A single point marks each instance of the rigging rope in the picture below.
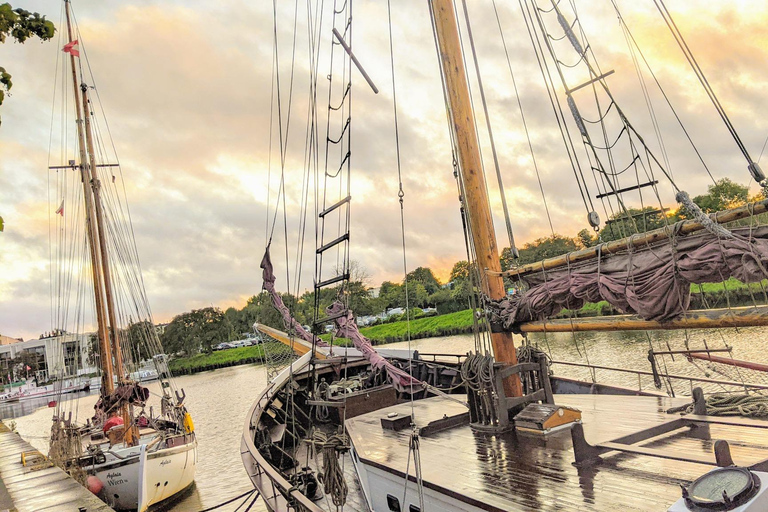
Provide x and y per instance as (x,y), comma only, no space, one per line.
(665,14)
(502,192)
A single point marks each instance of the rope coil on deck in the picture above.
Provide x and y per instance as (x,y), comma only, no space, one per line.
(748,406)
(332,476)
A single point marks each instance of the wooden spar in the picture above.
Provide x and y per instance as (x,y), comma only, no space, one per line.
(91,228)
(732,362)
(699,319)
(298,345)
(130,435)
(636,241)
(108,289)
(472,176)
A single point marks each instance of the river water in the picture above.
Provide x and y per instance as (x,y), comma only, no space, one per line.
(219,400)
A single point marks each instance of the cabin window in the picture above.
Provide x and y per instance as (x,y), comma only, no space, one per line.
(413,508)
(393,503)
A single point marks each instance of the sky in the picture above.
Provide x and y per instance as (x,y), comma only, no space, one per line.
(187,88)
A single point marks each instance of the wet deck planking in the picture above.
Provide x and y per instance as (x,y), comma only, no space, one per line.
(26,489)
(524,472)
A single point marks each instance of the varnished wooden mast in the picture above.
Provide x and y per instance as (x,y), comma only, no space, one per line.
(92,229)
(108,289)
(473,178)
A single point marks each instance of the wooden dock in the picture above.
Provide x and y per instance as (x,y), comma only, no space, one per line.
(38,485)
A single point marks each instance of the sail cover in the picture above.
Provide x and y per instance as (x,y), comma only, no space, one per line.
(268,275)
(346,328)
(652,282)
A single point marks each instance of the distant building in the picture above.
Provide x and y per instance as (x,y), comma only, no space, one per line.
(374,292)
(54,354)
(7,340)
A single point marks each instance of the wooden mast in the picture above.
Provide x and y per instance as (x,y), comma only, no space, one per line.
(95,215)
(91,228)
(472,175)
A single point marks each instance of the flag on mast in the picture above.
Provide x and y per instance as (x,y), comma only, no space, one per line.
(72,48)
(60,211)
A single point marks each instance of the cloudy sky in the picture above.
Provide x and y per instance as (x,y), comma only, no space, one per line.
(187,85)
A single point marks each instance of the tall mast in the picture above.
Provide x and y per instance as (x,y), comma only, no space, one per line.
(472,175)
(92,229)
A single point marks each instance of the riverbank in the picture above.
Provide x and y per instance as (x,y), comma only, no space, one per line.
(215,360)
(715,295)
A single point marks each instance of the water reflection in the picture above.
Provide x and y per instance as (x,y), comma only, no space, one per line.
(629,349)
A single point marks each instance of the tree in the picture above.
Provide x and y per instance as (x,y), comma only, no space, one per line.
(633,221)
(137,336)
(20,25)
(425,277)
(547,247)
(196,331)
(724,194)
(586,238)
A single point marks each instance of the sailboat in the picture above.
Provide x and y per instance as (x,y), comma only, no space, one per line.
(391,430)
(128,454)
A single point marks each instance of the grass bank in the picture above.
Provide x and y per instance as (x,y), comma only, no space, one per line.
(216,360)
(430,327)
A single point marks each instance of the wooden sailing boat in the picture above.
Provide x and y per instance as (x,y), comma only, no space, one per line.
(340,419)
(130,457)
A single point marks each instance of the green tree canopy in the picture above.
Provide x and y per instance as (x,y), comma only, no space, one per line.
(20,25)
(195,331)
(722,195)
(425,277)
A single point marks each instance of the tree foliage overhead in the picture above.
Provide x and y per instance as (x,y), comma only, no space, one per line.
(20,25)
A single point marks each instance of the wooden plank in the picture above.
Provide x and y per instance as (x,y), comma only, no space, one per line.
(698,319)
(663,454)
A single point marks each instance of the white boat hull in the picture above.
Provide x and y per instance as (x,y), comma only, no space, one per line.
(146,477)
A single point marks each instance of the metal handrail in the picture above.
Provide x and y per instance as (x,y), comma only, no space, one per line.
(666,375)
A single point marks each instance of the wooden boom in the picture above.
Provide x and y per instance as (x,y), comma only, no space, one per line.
(698,319)
(640,240)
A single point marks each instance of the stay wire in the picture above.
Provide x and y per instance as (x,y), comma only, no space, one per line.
(502,191)
(664,93)
(522,116)
(667,16)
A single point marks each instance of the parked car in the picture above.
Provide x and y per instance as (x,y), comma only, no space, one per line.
(223,346)
(241,343)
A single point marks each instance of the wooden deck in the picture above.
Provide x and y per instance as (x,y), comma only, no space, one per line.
(38,486)
(527,472)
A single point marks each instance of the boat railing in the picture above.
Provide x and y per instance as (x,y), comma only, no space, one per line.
(276,491)
(689,378)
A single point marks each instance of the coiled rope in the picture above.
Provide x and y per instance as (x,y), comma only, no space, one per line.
(749,406)
(332,476)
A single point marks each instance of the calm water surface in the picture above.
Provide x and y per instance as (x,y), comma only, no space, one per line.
(220,400)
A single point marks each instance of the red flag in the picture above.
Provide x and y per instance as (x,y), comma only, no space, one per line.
(28,368)
(60,211)
(72,48)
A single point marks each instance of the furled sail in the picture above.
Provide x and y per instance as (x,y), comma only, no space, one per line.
(346,328)
(652,281)
(268,276)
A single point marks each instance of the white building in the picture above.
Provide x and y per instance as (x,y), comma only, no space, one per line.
(54,355)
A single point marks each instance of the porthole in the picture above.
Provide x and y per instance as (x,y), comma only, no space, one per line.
(393,503)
